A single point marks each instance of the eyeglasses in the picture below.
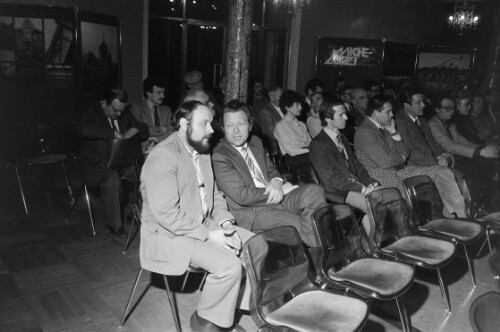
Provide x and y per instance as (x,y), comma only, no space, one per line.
(447,108)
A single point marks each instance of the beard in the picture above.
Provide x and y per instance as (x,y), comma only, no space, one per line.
(200,146)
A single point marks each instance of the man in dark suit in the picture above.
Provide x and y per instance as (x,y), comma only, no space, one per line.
(355,115)
(152,112)
(340,174)
(100,124)
(413,128)
(269,115)
(383,152)
(254,189)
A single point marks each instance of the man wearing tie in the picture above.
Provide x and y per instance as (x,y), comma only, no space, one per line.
(340,174)
(254,189)
(152,112)
(100,124)
(185,219)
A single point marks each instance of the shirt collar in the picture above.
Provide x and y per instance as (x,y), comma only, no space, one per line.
(333,135)
(150,104)
(375,123)
(412,117)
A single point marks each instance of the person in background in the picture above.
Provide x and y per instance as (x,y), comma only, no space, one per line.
(356,114)
(313,122)
(101,123)
(151,111)
(268,117)
(312,86)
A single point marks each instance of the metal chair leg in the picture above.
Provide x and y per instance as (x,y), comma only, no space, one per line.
(173,305)
(21,189)
(444,292)
(471,266)
(487,240)
(130,237)
(202,281)
(70,191)
(130,298)
(403,314)
(90,210)
(185,280)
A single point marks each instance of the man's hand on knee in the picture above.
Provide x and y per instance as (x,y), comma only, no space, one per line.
(227,239)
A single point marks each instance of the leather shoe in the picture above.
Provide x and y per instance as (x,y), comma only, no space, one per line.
(200,324)
(119,232)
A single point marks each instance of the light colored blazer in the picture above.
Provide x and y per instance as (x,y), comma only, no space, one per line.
(380,154)
(455,144)
(142,113)
(172,217)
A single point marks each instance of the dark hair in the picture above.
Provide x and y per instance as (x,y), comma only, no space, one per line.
(326,111)
(184,111)
(115,93)
(313,84)
(462,94)
(376,103)
(442,97)
(234,106)
(149,82)
(405,96)
(288,98)
(369,84)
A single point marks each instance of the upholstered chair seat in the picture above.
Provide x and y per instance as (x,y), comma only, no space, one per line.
(320,311)
(428,250)
(462,230)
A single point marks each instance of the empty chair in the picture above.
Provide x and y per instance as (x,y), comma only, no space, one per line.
(391,237)
(283,296)
(344,263)
(484,313)
(427,216)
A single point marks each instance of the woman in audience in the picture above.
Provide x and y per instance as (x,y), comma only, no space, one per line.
(313,121)
(292,134)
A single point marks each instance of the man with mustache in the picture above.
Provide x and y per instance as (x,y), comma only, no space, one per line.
(152,112)
(185,219)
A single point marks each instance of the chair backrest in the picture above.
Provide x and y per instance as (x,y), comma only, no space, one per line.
(278,268)
(389,216)
(339,236)
(426,204)
(483,313)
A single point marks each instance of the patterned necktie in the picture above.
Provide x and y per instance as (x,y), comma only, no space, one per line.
(156,116)
(254,170)
(381,130)
(113,125)
(341,147)
(201,183)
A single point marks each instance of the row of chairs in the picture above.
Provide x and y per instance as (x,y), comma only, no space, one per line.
(291,293)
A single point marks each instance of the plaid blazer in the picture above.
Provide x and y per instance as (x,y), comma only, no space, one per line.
(380,153)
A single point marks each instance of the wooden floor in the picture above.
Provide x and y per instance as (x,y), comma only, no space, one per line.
(56,276)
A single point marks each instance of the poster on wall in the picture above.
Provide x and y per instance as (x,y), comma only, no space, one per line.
(355,60)
(100,54)
(439,68)
(29,48)
(7,57)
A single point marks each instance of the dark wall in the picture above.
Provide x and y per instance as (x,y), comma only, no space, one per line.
(406,21)
(131,14)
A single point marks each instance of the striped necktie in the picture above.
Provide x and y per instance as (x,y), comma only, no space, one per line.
(254,170)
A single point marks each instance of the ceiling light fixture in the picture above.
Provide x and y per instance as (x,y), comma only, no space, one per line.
(463,18)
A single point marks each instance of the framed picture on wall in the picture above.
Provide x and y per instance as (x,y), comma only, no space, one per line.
(100,51)
(444,69)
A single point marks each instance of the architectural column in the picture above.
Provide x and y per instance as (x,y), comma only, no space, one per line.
(493,71)
(238,50)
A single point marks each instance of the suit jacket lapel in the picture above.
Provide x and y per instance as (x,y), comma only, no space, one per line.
(260,158)
(239,163)
(146,113)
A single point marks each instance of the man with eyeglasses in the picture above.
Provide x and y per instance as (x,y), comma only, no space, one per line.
(100,124)
(470,158)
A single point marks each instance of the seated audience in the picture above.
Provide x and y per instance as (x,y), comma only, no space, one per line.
(312,86)
(383,152)
(257,96)
(372,88)
(152,112)
(356,115)
(461,118)
(268,117)
(185,219)
(313,121)
(254,189)
(100,124)
(340,174)
(291,133)
(472,159)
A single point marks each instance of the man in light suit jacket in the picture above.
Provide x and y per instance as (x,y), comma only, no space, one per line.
(340,174)
(383,152)
(152,112)
(269,115)
(185,218)
(254,189)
